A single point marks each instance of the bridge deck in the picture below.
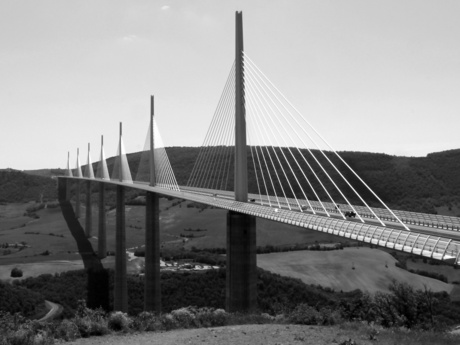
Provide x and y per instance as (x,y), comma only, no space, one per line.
(445,248)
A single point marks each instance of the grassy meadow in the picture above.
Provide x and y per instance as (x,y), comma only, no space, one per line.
(362,268)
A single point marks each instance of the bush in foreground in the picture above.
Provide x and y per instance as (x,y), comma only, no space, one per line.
(14,329)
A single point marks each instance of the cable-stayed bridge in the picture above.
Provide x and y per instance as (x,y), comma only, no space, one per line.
(260,158)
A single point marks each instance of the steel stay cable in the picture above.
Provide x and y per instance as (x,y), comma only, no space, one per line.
(317,178)
(314,157)
(213,131)
(269,156)
(224,118)
(324,170)
(335,152)
(286,144)
(225,133)
(282,168)
(263,177)
(230,151)
(201,153)
(166,173)
(265,161)
(215,136)
(255,171)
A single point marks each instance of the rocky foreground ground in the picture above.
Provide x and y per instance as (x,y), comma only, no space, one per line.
(231,335)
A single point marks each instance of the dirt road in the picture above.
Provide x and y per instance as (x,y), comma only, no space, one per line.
(54,311)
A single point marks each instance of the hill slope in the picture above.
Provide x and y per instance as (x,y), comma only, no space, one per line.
(17,186)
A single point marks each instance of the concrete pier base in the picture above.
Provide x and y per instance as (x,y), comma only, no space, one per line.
(241,291)
(89,211)
(102,224)
(120,302)
(152,289)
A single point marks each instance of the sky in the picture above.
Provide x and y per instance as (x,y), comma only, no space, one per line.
(377,76)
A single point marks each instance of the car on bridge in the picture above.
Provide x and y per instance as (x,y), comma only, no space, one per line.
(350,214)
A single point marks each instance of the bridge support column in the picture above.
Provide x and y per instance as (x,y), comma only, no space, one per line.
(152,291)
(241,292)
(121,285)
(77,203)
(89,211)
(67,189)
(102,224)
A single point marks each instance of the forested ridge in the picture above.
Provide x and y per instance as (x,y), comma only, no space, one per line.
(17,186)
(417,184)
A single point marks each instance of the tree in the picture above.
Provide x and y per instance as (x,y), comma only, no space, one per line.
(16,272)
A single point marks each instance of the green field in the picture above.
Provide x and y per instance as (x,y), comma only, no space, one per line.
(452,274)
(373,269)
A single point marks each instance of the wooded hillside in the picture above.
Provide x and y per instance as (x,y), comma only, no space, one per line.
(17,186)
(418,184)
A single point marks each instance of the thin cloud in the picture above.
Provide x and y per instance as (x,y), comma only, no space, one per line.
(165,7)
(129,38)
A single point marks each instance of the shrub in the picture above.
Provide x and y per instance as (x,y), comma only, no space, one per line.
(83,325)
(16,272)
(168,322)
(67,330)
(146,322)
(43,338)
(22,336)
(90,322)
(248,319)
(185,317)
(330,317)
(304,314)
(119,321)
(210,317)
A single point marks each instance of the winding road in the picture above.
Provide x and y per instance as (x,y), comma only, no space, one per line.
(54,311)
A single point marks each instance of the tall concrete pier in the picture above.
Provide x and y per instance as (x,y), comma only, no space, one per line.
(241,292)
(121,285)
(152,289)
(89,211)
(77,200)
(102,224)
(102,173)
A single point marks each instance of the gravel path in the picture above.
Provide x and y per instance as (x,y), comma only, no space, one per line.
(231,335)
(54,311)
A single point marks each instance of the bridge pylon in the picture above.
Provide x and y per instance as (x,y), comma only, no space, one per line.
(77,189)
(89,173)
(102,173)
(241,291)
